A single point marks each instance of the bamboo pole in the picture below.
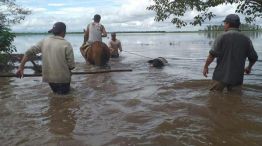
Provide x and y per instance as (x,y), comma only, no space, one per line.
(73,73)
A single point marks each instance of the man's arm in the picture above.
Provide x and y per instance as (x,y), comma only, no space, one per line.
(216,51)
(252,58)
(209,60)
(20,71)
(249,67)
(120,46)
(70,57)
(28,54)
(86,35)
(110,45)
(103,30)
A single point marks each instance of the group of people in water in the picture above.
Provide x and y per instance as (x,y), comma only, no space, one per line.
(58,56)
(94,32)
(230,49)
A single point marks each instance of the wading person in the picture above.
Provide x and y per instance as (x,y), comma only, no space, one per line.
(57,59)
(231,50)
(94,32)
(114,45)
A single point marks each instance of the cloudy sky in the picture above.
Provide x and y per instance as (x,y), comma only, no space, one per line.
(117,15)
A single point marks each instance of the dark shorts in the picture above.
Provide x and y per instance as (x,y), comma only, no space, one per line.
(60,88)
(219,86)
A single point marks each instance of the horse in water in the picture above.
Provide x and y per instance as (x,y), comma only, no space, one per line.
(96,53)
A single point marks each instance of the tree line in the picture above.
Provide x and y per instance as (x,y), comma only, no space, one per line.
(243,27)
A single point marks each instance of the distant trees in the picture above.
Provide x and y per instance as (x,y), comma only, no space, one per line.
(250,27)
(10,14)
(174,9)
(244,27)
(214,28)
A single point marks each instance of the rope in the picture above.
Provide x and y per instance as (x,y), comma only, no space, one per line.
(138,54)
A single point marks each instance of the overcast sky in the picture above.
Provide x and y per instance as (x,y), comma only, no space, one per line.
(117,15)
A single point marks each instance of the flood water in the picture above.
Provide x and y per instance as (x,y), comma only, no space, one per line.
(146,107)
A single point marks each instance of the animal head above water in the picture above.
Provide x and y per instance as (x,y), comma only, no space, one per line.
(158,62)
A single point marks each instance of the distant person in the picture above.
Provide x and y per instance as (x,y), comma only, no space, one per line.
(231,50)
(114,45)
(57,59)
(94,32)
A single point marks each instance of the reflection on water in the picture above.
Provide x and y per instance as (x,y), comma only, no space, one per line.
(232,123)
(61,118)
(148,106)
(61,115)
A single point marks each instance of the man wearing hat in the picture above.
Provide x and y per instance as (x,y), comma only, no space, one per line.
(231,50)
(94,32)
(57,59)
(114,45)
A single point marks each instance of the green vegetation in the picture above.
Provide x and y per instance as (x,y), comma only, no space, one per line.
(10,13)
(174,9)
(243,27)
(6,47)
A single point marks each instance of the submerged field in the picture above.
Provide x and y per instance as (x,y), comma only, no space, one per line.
(145,107)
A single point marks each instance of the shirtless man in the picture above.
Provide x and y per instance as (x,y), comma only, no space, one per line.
(114,45)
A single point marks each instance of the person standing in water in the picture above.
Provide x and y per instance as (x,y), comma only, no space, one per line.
(231,50)
(114,45)
(94,32)
(57,59)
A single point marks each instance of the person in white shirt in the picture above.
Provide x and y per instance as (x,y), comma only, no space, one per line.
(57,59)
(114,45)
(94,32)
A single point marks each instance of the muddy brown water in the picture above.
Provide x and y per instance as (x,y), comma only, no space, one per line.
(146,107)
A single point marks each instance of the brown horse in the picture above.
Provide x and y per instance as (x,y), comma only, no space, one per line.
(97,53)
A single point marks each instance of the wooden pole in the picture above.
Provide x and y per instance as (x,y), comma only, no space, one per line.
(73,73)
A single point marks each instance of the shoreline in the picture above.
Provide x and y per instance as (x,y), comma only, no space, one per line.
(130,32)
